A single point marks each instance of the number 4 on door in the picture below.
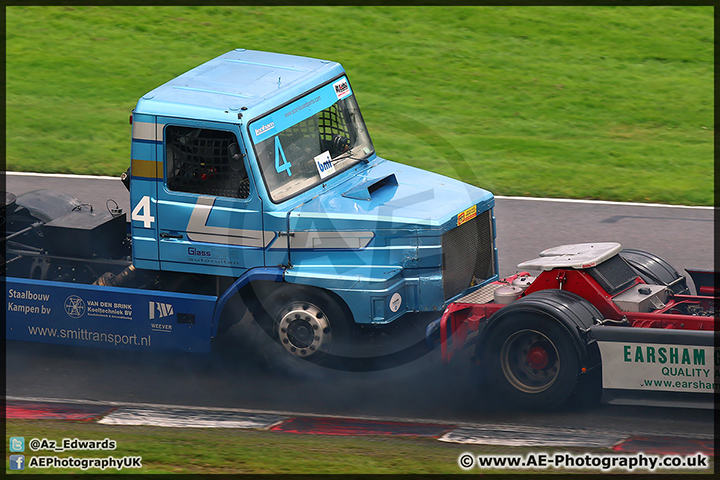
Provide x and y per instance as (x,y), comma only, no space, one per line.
(141,212)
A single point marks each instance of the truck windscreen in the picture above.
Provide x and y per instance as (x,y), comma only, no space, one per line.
(310,140)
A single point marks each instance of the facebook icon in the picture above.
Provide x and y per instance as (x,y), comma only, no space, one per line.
(17,462)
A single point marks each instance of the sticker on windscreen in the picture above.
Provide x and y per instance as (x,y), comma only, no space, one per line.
(342,89)
(324,164)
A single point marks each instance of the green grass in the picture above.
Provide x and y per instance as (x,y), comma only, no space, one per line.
(610,103)
(212,451)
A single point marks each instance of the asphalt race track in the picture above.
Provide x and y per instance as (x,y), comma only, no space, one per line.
(420,389)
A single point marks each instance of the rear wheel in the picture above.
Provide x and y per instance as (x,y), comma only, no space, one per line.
(535,349)
(532,361)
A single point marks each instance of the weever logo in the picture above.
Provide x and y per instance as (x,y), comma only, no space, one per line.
(163,310)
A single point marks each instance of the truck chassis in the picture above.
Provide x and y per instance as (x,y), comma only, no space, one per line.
(596,316)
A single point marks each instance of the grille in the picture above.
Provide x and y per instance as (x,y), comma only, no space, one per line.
(467,255)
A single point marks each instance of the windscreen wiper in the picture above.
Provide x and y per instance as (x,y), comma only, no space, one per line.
(349,154)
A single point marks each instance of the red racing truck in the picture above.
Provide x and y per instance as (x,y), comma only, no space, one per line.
(595,316)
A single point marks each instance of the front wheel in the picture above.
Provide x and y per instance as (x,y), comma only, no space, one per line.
(309,324)
(304,329)
(532,361)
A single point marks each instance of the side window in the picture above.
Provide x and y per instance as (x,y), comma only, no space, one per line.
(205,161)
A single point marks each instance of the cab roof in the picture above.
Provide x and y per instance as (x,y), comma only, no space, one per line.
(240,81)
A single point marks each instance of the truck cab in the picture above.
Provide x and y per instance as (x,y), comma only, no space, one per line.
(257,159)
(256,171)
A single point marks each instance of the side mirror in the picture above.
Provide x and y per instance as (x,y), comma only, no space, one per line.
(125,178)
(235,157)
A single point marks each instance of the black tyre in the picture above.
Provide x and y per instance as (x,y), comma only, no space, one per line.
(535,349)
(308,324)
(531,361)
(656,271)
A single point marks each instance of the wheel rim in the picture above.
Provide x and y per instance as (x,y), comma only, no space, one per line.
(530,361)
(304,330)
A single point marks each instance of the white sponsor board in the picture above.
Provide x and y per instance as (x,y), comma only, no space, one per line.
(660,367)
(324,164)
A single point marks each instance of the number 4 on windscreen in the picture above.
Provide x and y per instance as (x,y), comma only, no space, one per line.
(279,153)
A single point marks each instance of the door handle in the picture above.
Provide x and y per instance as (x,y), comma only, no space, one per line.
(170,235)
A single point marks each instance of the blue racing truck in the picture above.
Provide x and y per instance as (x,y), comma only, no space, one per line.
(253,184)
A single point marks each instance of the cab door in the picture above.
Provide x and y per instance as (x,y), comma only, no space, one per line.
(209,213)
